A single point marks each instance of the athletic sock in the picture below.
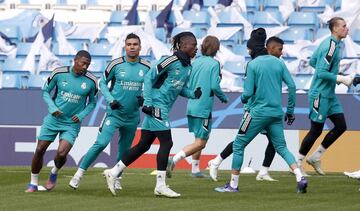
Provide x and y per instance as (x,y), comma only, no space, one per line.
(195,168)
(160,178)
(298,174)
(54,170)
(79,173)
(318,153)
(217,160)
(34,179)
(264,170)
(119,167)
(180,155)
(234,182)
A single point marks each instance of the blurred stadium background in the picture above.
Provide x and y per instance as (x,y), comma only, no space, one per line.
(39,35)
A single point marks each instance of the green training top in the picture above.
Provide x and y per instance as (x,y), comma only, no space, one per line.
(263,83)
(71,93)
(126,84)
(325,60)
(164,82)
(205,74)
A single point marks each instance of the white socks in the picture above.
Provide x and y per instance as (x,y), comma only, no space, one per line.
(54,170)
(195,168)
(119,167)
(298,174)
(318,153)
(160,178)
(34,179)
(300,160)
(234,182)
(180,155)
(79,173)
(217,160)
(264,170)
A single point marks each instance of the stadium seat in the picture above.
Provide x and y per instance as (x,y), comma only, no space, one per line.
(10,81)
(226,20)
(36,81)
(252,5)
(66,5)
(15,66)
(210,3)
(97,65)
(23,49)
(117,17)
(314,8)
(12,32)
(302,80)
(356,36)
(304,19)
(103,5)
(267,19)
(200,18)
(272,5)
(293,34)
(321,32)
(99,50)
(236,67)
(160,34)
(77,44)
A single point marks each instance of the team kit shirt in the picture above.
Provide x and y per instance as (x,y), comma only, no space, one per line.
(74,95)
(325,60)
(262,87)
(205,74)
(162,84)
(126,83)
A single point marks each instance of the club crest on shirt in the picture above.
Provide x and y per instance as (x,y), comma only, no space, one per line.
(64,83)
(141,73)
(177,71)
(83,85)
(108,122)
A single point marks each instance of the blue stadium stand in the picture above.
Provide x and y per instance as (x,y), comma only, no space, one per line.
(23,49)
(272,5)
(252,5)
(100,51)
(356,36)
(304,19)
(321,32)
(117,17)
(12,32)
(210,3)
(200,18)
(236,67)
(267,19)
(14,66)
(36,81)
(314,8)
(291,35)
(301,80)
(10,81)
(97,65)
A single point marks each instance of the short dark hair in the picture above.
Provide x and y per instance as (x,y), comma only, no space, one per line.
(82,53)
(210,46)
(274,39)
(132,36)
(333,22)
(177,39)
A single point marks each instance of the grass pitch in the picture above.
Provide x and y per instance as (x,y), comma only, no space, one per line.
(331,192)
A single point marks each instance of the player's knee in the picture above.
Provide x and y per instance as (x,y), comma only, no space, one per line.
(341,127)
(40,151)
(143,147)
(315,133)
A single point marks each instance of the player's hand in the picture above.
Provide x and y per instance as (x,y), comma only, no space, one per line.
(115,105)
(56,113)
(75,119)
(198,93)
(140,100)
(226,100)
(148,110)
(289,118)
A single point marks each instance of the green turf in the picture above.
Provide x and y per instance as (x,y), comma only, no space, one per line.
(331,192)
